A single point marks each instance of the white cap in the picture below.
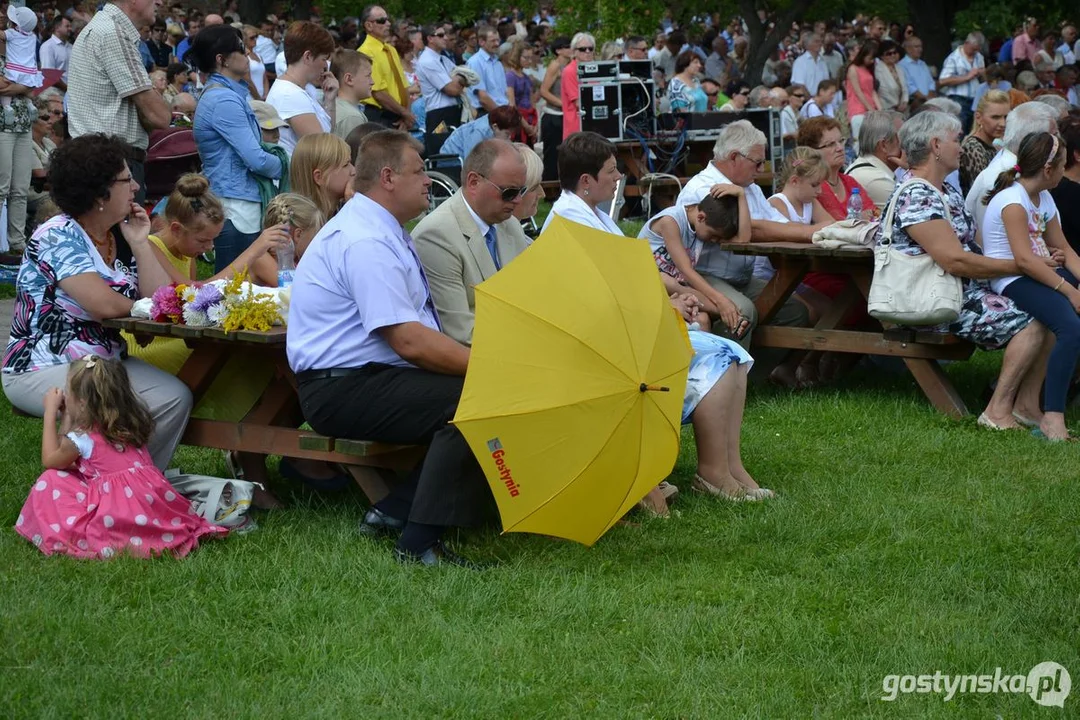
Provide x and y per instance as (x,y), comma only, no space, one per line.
(22,17)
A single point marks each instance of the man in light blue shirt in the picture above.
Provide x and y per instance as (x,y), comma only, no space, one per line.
(370,359)
(491,92)
(920,81)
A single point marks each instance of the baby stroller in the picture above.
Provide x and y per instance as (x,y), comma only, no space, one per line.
(171,153)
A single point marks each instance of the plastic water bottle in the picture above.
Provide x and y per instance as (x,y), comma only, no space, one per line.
(854,205)
(286,265)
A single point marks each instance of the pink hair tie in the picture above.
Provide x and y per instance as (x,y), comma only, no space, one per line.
(797,162)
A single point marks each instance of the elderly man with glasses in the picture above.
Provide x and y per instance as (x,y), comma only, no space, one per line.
(738,157)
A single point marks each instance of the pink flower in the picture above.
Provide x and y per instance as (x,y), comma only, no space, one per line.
(166,306)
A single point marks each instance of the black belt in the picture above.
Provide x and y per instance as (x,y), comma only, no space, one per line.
(138,154)
(331,373)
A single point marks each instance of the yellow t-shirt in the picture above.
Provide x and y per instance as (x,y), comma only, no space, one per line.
(237,387)
(386,72)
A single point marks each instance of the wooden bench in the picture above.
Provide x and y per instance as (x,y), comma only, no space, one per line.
(272,426)
(920,350)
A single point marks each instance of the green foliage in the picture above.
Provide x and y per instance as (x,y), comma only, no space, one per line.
(998,18)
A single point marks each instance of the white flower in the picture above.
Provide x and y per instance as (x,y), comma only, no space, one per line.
(195,318)
(188,293)
(216,313)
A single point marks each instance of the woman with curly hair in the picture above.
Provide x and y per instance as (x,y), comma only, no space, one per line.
(88,264)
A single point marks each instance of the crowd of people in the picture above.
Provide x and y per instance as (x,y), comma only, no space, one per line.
(320,135)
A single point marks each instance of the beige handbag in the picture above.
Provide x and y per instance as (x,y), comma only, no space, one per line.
(911,289)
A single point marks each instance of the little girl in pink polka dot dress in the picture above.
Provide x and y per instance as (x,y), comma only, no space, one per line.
(101,494)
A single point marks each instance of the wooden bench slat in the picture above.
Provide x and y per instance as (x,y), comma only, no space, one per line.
(311,441)
(185,331)
(151,327)
(274,336)
(272,440)
(857,342)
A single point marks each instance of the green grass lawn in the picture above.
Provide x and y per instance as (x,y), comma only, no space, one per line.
(901,543)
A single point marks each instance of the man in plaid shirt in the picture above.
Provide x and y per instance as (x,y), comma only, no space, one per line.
(109,90)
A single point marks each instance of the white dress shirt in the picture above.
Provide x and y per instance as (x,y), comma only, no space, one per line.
(573,208)
(809,71)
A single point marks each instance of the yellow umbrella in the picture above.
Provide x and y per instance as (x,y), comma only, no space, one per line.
(573,398)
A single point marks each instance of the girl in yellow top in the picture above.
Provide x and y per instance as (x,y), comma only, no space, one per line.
(194,217)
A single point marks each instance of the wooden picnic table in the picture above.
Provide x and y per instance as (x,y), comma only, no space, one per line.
(271,427)
(920,350)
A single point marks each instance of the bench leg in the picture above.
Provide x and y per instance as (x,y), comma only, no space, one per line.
(937,387)
(371,480)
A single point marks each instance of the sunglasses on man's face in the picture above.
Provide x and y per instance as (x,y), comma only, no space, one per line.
(380,21)
(507,194)
(586,49)
(439,34)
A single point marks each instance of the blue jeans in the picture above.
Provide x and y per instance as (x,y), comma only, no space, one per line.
(1054,311)
(228,245)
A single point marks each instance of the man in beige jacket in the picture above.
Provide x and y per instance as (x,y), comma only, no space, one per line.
(472,235)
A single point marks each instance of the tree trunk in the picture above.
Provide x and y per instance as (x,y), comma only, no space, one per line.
(254,12)
(934,19)
(762,44)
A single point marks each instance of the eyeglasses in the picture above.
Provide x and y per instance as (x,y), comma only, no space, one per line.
(508,194)
(379,21)
(744,93)
(585,49)
(758,164)
(124,180)
(835,143)
(892,52)
(439,34)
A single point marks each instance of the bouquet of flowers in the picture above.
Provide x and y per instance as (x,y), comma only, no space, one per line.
(231,305)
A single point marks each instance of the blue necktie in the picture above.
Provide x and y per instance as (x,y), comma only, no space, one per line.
(489,238)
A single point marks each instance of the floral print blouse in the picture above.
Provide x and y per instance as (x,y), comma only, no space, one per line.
(49,327)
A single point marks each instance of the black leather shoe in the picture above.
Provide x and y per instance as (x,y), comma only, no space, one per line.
(376,523)
(436,555)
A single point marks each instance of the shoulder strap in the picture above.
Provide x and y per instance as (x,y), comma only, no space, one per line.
(856,166)
(887,228)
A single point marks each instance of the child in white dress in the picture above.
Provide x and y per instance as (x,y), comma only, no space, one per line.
(21,50)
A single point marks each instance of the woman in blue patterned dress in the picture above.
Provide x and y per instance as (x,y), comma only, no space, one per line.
(88,264)
(930,218)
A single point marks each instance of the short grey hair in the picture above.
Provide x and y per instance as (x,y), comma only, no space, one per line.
(945,105)
(757,94)
(737,137)
(975,38)
(1060,104)
(1026,119)
(580,37)
(917,134)
(877,126)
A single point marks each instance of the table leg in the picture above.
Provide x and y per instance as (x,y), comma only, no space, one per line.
(932,379)
(788,276)
(937,387)
(201,367)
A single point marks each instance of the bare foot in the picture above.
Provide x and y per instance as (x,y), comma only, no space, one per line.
(723,485)
(1054,429)
(1032,416)
(743,478)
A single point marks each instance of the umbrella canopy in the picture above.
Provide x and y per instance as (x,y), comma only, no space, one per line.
(574,392)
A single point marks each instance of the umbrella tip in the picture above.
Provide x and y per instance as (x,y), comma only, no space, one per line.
(655,388)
